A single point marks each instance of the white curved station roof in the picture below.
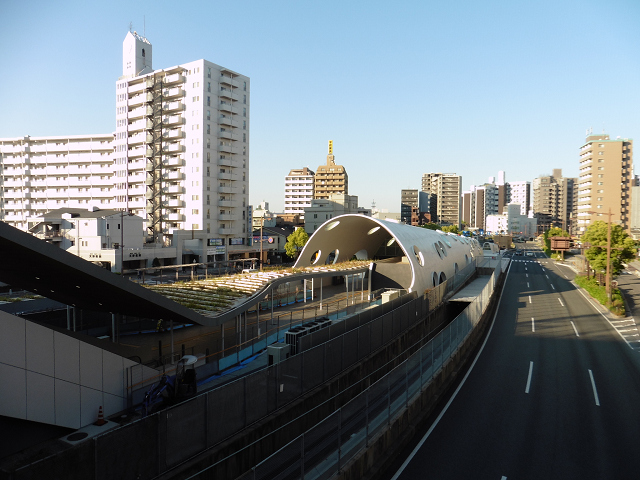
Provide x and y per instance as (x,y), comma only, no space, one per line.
(432,255)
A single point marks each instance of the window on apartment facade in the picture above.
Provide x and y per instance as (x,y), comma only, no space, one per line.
(209,73)
(208,114)
(245,86)
(208,129)
(244,99)
(208,101)
(209,87)
(244,124)
(244,112)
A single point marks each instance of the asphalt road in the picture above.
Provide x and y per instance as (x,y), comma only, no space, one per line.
(554,393)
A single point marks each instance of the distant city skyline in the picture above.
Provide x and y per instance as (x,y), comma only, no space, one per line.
(420,87)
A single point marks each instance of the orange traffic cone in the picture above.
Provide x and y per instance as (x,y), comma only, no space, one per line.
(101,421)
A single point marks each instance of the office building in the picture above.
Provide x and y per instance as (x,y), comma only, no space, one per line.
(553,201)
(179,157)
(445,189)
(330,179)
(298,191)
(606,179)
(323,209)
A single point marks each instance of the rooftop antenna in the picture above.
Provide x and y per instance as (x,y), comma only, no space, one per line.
(130,27)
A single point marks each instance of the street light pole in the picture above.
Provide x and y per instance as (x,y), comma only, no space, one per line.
(261,226)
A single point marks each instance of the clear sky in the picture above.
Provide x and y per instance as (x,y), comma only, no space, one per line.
(402,88)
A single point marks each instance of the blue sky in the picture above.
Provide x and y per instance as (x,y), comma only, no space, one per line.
(404,88)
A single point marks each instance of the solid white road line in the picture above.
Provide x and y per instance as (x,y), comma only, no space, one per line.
(533,325)
(560,300)
(526,390)
(595,392)
(529,298)
(574,328)
(446,407)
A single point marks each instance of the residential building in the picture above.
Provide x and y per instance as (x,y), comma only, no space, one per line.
(330,178)
(298,191)
(445,189)
(182,145)
(635,212)
(323,209)
(179,157)
(511,222)
(47,173)
(553,201)
(262,217)
(606,179)
(480,202)
(520,193)
(111,238)
(408,201)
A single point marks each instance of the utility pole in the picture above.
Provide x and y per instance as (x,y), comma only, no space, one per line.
(608,273)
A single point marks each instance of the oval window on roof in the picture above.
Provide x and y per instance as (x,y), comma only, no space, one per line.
(437,249)
(332,257)
(332,225)
(418,254)
(315,257)
(391,242)
(444,251)
(373,230)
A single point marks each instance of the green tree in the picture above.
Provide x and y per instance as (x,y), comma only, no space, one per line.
(451,229)
(431,226)
(622,247)
(295,242)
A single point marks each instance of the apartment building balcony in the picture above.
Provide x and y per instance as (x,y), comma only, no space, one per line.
(172,147)
(174,217)
(173,79)
(173,162)
(226,107)
(227,162)
(227,135)
(173,189)
(226,189)
(226,203)
(138,139)
(226,217)
(227,149)
(173,203)
(171,107)
(139,125)
(172,120)
(229,121)
(139,112)
(227,176)
(174,92)
(225,231)
(174,176)
(140,152)
(141,99)
(173,134)
(227,80)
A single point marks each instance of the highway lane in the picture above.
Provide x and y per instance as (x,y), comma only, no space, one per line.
(553,394)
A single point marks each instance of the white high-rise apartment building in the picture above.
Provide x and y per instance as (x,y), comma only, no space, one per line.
(298,191)
(179,157)
(182,145)
(520,192)
(40,174)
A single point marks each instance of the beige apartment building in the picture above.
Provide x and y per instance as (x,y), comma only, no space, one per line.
(330,178)
(445,189)
(554,201)
(606,179)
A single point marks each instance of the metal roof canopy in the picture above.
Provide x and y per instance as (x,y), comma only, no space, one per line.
(42,268)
